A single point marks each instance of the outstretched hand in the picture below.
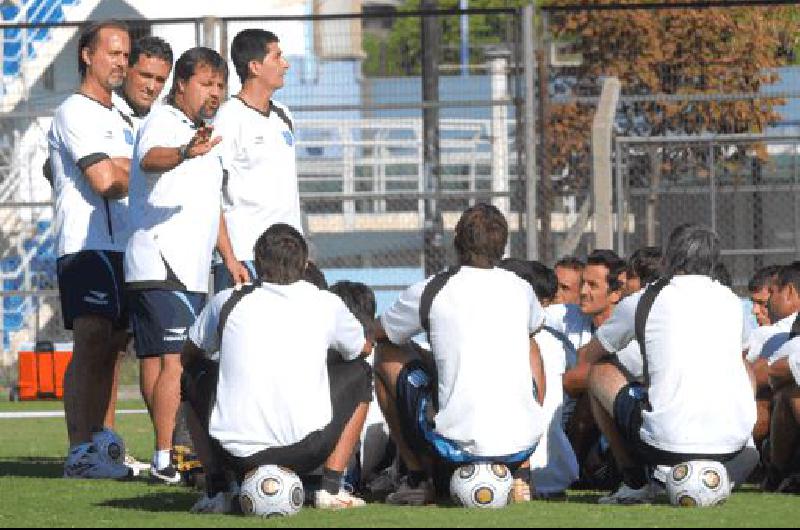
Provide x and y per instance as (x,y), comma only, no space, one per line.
(201,143)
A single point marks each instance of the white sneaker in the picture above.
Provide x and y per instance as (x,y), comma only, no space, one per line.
(169,475)
(626,495)
(136,467)
(221,503)
(341,501)
(85,463)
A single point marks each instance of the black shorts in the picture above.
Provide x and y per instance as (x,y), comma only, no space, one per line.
(350,385)
(161,319)
(416,409)
(629,404)
(92,282)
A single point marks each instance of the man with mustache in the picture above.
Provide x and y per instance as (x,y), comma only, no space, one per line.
(89,163)
(175,210)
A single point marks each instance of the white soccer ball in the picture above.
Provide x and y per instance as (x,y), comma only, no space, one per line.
(482,485)
(271,491)
(110,446)
(698,483)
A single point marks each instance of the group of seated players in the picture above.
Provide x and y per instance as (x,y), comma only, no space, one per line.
(596,374)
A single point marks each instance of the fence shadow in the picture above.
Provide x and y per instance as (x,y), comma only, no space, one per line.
(178,502)
(32,467)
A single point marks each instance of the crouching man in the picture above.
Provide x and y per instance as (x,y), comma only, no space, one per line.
(472,398)
(258,381)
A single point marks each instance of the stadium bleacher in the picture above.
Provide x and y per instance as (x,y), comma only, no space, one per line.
(34,11)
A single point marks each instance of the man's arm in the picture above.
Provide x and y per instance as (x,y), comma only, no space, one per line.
(163,159)
(108,178)
(238,272)
(576,379)
(537,369)
(780,374)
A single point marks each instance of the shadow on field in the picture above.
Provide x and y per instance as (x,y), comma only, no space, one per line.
(155,502)
(32,467)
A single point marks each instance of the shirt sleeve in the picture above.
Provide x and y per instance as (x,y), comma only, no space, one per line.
(537,319)
(348,336)
(83,138)
(620,329)
(204,333)
(159,131)
(794,360)
(228,129)
(402,321)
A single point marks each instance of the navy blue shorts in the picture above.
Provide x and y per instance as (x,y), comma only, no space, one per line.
(161,319)
(223,279)
(415,406)
(629,404)
(92,282)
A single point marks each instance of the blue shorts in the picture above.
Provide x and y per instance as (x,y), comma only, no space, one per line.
(415,388)
(92,282)
(223,279)
(161,319)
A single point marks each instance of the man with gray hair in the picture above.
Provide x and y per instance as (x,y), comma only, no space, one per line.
(679,413)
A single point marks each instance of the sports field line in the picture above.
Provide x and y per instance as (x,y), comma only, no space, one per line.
(52,414)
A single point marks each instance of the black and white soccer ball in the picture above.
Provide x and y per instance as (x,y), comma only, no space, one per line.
(271,491)
(698,483)
(110,446)
(483,485)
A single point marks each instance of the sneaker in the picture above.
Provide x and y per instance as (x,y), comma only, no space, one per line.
(136,467)
(790,485)
(626,495)
(85,463)
(407,496)
(341,501)
(382,485)
(169,475)
(222,502)
(520,491)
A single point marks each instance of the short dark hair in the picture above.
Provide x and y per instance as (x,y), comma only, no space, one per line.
(763,277)
(481,236)
(571,262)
(89,36)
(722,274)
(150,46)
(691,249)
(789,274)
(542,279)
(190,61)
(315,276)
(281,254)
(250,45)
(360,300)
(611,261)
(646,264)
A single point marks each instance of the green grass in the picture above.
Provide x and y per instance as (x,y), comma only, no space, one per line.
(32,494)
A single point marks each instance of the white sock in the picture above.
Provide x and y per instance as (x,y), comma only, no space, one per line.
(162,459)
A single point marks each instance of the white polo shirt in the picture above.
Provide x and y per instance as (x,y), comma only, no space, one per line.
(480,327)
(766,341)
(273,387)
(569,320)
(175,215)
(130,116)
(84,132)
(258,152)
(702,401)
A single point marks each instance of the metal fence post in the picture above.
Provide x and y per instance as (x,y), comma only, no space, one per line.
(713,185)
(498,68)
(602,130)
(529,131)
(622,214)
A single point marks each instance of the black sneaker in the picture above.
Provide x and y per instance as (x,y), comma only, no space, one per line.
(407,496)
(790,485)
(169,475)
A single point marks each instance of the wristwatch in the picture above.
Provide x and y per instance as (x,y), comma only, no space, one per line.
(184,152)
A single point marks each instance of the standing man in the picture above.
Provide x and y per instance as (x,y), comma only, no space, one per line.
(175,198)
(149,66)
(258,152)
(89,162)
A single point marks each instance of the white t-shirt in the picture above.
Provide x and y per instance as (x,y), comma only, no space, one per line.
(766,341)
(175,215)
(133,120)
(794,359)
(84,132)
(273,387)
(569,320)
(480,327)
(258,152)
(554,465)
(701,397)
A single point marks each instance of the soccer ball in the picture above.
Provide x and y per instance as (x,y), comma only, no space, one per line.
(481,485)
(271,491)
(698,483)
(109,446)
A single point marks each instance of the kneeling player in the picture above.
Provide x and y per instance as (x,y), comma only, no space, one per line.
(472,398)
(271,397)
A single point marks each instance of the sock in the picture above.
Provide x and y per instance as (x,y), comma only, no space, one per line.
(162,459)
(331,481)
(415,478)
(523,473)
(635,477)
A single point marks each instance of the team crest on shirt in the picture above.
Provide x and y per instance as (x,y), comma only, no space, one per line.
(258,140)
(289,137)
(109,135)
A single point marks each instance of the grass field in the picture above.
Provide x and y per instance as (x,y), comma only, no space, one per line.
(32,494)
